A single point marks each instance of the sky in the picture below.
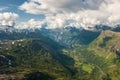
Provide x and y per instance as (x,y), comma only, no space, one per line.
(51,14)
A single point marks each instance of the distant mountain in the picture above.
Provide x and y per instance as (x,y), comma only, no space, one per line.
(71,36)
(116,29)
(68,35)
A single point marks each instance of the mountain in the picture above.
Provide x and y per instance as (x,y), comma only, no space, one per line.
(107,46)
(60,54)
(71,36)
(21,58)
(108,41)
(100,59)
(116,29)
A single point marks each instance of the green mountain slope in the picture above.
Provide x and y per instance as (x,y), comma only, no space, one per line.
(100,60)
(107,43)
(21,57)
(107,46)
(93,56)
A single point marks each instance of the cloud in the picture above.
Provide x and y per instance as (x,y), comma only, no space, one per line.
(78,13)
(30,24)
(8,18)
(61,6)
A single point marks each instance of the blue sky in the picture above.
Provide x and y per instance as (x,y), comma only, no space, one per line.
(12,6)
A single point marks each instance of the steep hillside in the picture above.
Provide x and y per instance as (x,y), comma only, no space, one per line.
(100,60)
(107,46)
(21,57)
(108,42)
(71,36)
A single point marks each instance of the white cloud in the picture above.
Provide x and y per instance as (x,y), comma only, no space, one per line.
(8,18)
(85,13)
(31,24)
(58,6)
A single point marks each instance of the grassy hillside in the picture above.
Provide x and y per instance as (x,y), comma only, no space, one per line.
(96,58)
(107,43)
(107,46)
(100,60)
(21,57)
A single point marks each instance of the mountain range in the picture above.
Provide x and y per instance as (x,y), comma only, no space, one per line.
(60,54)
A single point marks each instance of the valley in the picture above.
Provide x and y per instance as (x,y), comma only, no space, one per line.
(98,59)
